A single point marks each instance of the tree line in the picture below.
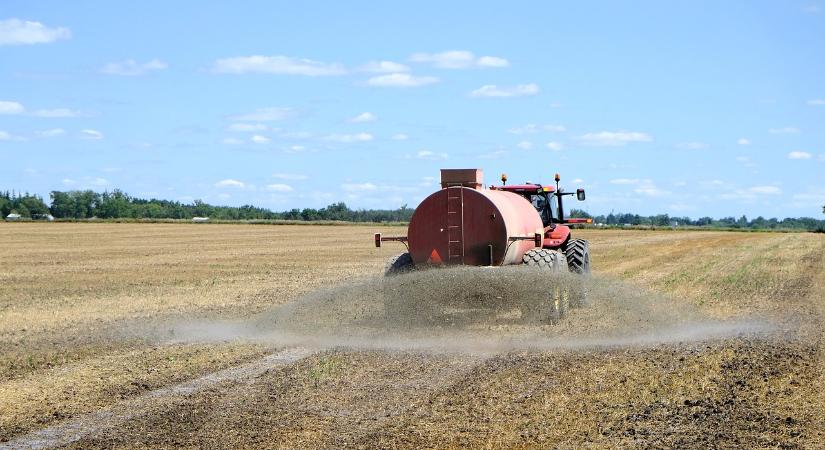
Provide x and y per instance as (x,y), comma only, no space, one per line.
(665,220)
(116,204)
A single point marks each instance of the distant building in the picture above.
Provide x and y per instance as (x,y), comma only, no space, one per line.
(13,217)
(46,217)
(200,219)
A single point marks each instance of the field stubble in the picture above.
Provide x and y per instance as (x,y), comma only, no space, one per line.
(728,350)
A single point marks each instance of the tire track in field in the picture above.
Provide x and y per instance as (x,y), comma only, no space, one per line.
(73,430)
(294,407)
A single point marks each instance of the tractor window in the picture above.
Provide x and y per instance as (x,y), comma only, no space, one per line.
(545,209)
(538,202)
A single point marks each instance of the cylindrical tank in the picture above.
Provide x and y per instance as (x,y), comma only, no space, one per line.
(462,225)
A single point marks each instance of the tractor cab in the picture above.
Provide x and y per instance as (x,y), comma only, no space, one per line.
(546,199)
(541,197)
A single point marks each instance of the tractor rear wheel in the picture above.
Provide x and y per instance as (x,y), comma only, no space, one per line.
(577,252)
(550,259)
(399,264)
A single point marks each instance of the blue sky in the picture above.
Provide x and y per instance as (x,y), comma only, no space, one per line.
(688,108)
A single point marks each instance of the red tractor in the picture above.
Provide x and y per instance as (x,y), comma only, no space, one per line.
(465,224)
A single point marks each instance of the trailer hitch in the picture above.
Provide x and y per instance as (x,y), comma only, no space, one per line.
(379,239)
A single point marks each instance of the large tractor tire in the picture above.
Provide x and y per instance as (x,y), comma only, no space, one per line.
(543,258)
(557,304)
(399,264)
(577,252)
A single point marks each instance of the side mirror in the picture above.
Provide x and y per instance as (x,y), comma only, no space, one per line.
(580,194)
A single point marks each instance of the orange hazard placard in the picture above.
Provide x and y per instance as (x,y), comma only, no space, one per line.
(434,258)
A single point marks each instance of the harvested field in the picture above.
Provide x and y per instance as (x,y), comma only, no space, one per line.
(693,339)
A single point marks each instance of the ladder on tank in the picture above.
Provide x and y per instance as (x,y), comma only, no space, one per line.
(455,224)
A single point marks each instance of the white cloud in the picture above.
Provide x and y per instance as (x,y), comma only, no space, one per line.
(769,190)
(458,59)
(614,138)
(68,181)
(748,194)
(279,64)
(14,108)
(811,9)
(401,80)
(91,134)
(258,139)
(681,207)
(625,181)
(492,90)
(400,137)
(132,68)
(647,187)
(811,199)
(363,117)
(692,145)
(97,181)
(577,181)
(358,187)
(229,182)
(454,59)
(264,115)
(20,32)
(8,107)
(555,146)
(816,102)
(525,145)
(430,155)
(51,132)
(384,67)
(799,155)
(495,154)
(289,176)
(492,61)
(347,138)
(57,113)
(247,127)
(6,136)
(743,141)
(533,128)
(232,141)
(641,186)
(279,187)
(784,130)
(746,161)
(296,135)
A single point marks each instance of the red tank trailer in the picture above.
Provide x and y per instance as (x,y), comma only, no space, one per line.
(465,223)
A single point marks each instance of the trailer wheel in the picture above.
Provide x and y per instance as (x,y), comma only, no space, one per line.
(399,264)
(549,259)
(577,252)
(555,306)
